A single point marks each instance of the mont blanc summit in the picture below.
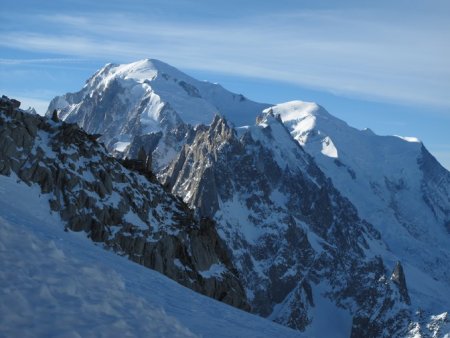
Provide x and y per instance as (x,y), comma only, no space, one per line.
(152,104)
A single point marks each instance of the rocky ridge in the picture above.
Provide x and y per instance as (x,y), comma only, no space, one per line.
(128,212)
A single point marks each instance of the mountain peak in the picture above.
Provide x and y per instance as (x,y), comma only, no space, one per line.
(298,110)
(141,70)
(303,118)
(123,101)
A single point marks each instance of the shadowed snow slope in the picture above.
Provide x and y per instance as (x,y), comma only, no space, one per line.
(56,283)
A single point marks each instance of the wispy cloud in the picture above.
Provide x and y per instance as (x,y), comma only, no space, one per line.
(358,54)
(39,61)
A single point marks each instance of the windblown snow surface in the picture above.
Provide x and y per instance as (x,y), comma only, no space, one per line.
(58,284)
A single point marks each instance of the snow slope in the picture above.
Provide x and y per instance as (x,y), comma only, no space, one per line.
(56,283)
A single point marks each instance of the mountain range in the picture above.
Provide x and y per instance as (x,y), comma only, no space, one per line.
(296,216)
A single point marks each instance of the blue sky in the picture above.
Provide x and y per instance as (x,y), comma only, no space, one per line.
(383,65)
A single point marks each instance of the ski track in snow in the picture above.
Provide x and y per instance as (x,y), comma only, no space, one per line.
(59,284)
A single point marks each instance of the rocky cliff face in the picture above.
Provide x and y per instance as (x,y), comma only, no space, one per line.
(127,211)
(302,251)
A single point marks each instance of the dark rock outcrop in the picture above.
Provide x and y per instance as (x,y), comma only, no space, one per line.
(398,277)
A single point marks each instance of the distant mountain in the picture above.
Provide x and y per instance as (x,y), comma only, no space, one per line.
(129,212)
(149,103)
(327,226)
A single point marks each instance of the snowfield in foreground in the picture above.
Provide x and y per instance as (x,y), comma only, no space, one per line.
(59,284)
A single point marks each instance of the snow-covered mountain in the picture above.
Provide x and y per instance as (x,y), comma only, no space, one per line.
(149,103)
(129,213)
(57,284)
(314,234)
(307,260)
(394,182)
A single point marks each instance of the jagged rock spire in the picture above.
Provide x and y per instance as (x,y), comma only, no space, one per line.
(398,277)
(55,117)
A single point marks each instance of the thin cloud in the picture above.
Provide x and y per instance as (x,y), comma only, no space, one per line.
(353,54)
(14,62)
